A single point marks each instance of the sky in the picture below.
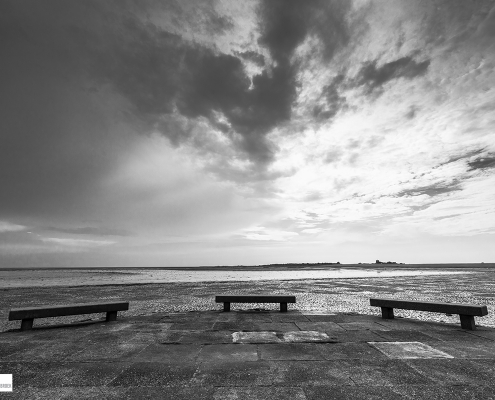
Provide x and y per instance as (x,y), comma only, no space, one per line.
(171,133)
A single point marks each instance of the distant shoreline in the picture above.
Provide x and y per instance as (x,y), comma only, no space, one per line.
(281,267)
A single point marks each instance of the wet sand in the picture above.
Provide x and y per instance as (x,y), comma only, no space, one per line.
(321,295)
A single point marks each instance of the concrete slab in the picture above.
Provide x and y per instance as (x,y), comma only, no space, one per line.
(226,353)
(320,317)
(101,336)
(340,317)
(89,393)
(30,350)
(466,349)
(155,374)
(349,351)
(119,351)
(33,394)
(452,371)
(386,372)
(411,324)
(444,392)
(255,393)
(194,325)
(307,373)
(11,337)
(406,336)
(152,337)
(291,351)
(52,375)
(490,335)
(305,337)
(256,337)
(406,350)
(362,326)
(256,317)
(250,373)
(60,334)
(205,337)
(172,393)
(454,335)
(169,353)
(236,326)
(351,393)
(163,337)
(277,327)
(291,316)
(149,327)
(355,336)
(321,326)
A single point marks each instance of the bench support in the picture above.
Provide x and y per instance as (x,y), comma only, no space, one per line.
(226,306)
(27,324)
(111,316)
(467,322)
(387,313)
(283,307)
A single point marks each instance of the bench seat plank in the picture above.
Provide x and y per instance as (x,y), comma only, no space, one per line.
(27,315)
(466,311)
(255,299)
(227,299)
(63,310)
(447,308)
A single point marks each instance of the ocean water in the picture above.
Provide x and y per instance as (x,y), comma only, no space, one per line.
(92,277)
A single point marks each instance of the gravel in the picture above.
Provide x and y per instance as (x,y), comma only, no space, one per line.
(324,295)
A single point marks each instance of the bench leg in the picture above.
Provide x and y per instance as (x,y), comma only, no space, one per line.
(226,306)
(283,307)
(387,313)
(467,322)
(111,316)
(27,324)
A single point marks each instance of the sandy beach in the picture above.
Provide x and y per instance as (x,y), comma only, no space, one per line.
(475,286)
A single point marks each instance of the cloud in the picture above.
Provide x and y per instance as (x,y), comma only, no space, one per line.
(252,56)
(78,242)
(263,234)
(431,190)
(96,231)
(6,226)
(285,24)
(482,163)
(373,77)
(331,100)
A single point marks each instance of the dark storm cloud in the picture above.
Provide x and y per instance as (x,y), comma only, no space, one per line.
(91,230)
(160,72)
(331,101)
(468,156)
(482,163)
(286,23)
(72,71)
(431,190)
(374,77)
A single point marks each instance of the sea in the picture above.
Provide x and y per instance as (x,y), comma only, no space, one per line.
(17,278)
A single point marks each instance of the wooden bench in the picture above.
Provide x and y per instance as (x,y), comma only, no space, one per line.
(465,311)
(27,315)
(227,299)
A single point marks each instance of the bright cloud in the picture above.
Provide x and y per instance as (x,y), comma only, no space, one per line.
(9,227)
